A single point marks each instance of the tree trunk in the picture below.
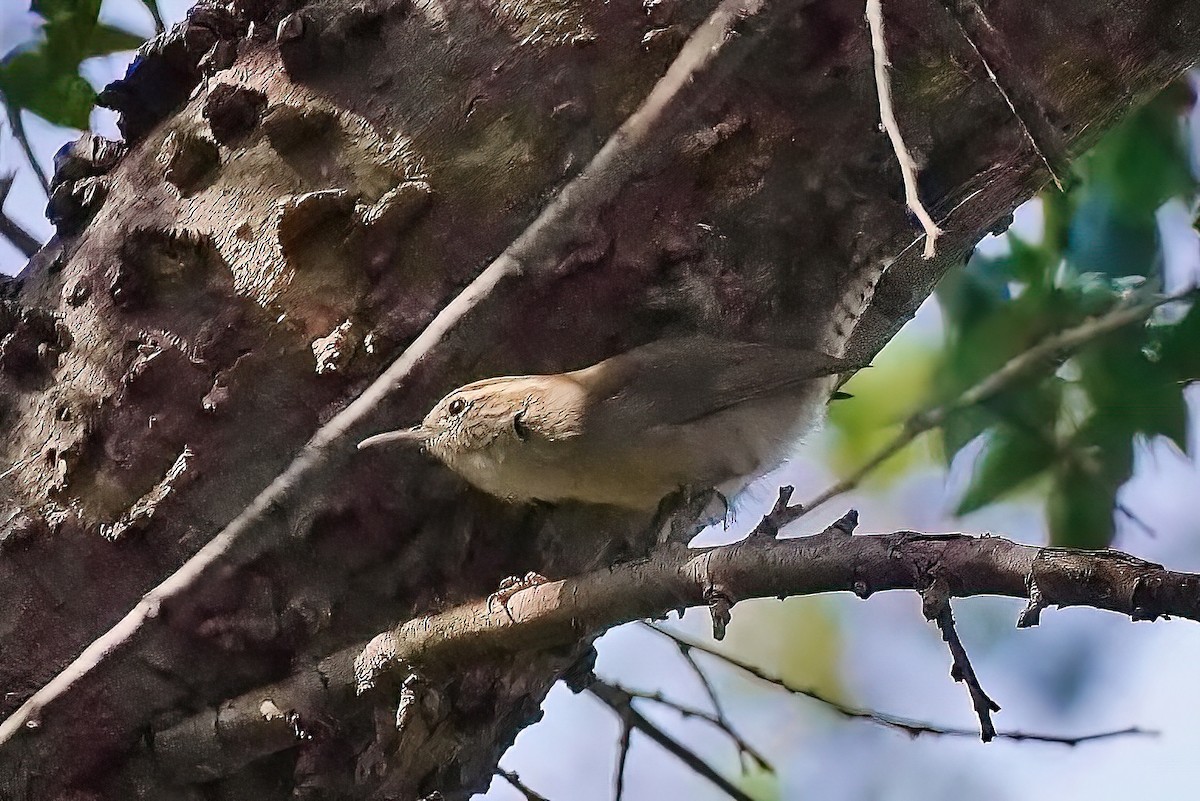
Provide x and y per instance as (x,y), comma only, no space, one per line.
(305,187)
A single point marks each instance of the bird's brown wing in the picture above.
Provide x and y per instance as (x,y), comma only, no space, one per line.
(676,381)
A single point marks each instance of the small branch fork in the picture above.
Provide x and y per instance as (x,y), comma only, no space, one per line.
(621,703)
(1044,356)
(719,718)
(716,721)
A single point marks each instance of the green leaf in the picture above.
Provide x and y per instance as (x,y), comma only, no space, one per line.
(45,79)
(1011,457)
(1080,510)
(28,81)
(1179,350)
(1084,493)
(1130,173)
(1132,392)
(56,9)
(106,40)
(961,429)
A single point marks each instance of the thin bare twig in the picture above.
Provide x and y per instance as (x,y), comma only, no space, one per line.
(1045,353)
(711,692)
(18,132)
(935,603)
(623,743)
(642,141)
(518,785)
(10,229)
(887,113)
(717,721)
(622,704)
(913,728)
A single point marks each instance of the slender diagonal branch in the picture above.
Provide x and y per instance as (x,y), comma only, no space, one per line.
(622,704)
(714,700)
(887,113)
(913,728)
(18,132)
(1044,356)
(644,140)
(520,786)
(717,722)
(10,229)
(935,601)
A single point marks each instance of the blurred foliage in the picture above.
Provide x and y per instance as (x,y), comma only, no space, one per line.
(809,656)
(42,76)
(883,397)
(759,784)
(1070,433)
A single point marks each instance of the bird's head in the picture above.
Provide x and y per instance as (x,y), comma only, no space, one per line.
(470,419)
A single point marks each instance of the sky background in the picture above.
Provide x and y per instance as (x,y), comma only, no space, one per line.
(1080,671)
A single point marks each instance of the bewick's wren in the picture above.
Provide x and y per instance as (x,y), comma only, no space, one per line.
(695,412)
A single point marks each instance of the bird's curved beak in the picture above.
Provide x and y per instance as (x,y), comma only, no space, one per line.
(417,435)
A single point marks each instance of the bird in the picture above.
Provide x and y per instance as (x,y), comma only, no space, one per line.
(693,411)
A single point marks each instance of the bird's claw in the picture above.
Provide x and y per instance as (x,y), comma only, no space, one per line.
(685,513)
(511,585)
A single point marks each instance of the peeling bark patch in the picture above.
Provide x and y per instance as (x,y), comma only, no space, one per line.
(168,268)
(142,511)
(298,42)
(333,352)
(547,23)
(399,207)
(233,111)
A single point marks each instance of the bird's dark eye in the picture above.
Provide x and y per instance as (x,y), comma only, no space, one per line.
(456,406)
(519,427)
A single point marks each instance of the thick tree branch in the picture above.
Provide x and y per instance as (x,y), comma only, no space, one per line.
(1046,141)
(642,141)
(673,577)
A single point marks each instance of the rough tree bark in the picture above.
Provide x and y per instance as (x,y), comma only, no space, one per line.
(306,184)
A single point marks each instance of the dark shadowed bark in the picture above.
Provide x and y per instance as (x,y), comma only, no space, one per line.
(305,187)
